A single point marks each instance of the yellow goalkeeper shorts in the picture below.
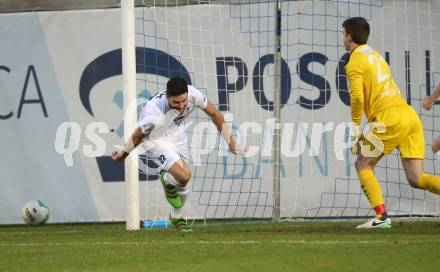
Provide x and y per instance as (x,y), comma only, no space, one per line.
(404,131)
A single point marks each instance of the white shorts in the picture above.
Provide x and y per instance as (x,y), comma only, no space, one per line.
(165,154)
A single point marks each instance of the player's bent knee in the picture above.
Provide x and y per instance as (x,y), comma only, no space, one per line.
(184,176)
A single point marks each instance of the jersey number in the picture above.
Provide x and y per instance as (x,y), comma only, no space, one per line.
(380,76)
(162,158)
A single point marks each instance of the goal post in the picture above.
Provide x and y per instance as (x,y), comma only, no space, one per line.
(132,216)
(276,149)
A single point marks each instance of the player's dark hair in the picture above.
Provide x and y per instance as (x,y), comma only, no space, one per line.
(176,86)
(358,28)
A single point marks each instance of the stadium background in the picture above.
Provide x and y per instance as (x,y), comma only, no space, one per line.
(46,55)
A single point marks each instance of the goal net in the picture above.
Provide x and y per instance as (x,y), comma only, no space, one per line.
(226,50)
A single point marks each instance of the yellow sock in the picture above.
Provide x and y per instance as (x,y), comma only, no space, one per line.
(373,192)
(429,182)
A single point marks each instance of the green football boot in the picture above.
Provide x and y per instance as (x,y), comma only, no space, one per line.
(180,224)
(171,193)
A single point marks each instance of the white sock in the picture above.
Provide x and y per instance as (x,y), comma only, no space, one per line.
(183,192)
(176,213)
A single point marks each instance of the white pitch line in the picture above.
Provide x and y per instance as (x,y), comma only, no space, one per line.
(30,233)
(230,242)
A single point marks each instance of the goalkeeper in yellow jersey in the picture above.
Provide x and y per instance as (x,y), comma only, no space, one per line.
(395,124)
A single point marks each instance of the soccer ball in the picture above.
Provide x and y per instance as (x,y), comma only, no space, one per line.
(35,212)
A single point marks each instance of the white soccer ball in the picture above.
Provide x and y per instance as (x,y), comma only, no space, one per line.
(35,212)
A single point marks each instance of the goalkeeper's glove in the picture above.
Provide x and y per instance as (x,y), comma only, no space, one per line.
(356,145)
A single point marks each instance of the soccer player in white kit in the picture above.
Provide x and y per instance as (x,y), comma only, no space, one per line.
(165,140)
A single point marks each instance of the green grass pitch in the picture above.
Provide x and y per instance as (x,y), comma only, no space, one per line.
(256,246)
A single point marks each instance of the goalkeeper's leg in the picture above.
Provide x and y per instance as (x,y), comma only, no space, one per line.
(417,178)
(412,152)
(371,188)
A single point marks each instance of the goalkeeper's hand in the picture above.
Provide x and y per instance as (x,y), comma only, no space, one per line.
(356,146)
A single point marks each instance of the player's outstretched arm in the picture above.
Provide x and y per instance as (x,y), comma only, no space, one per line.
(135,140)
(219,120)
(430,99)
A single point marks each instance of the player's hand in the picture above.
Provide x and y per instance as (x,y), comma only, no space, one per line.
(238,149)
(427,103)
(119,155)
(356,147)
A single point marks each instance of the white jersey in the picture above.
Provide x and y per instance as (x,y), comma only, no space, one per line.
(158,121)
